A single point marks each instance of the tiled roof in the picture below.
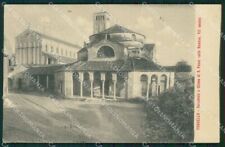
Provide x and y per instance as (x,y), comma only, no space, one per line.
(51,38)
(132,64)
(59,40)
(45,69)
(97,65)
(117,29)
(61,59)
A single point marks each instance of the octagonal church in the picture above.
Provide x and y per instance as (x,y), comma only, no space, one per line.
(115,63)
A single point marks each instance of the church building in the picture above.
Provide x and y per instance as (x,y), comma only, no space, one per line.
(116,63)
(35,48)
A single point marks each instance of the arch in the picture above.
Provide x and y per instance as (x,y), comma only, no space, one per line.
(105,52)
(97,85)
(154,81)
(144,84)
(76,84)
(121,84)
(108,84)
(163,82)
(86,85)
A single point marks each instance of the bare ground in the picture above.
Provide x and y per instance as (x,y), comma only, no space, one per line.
(33,118)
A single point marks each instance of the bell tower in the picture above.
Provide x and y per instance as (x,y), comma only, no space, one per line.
(101,21)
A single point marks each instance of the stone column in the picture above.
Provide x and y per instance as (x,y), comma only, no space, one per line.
(158,84)
(17,54)
(114,78)
(103,84)
(37,78)
(5,75)
(29,53)
(20,54)
(91,74)
(46,59)
(47,82)
(38,82)
(23,54)
(37,53)
(148,82)
(81,78)
(68,83)
(172,79)
(26,54)
(34,55)
(169,80)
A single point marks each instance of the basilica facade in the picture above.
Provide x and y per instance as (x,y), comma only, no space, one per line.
(35,48)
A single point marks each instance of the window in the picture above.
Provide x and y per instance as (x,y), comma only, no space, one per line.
(49,61)
(163,82)
(134,36)
(105,52)
(144,85)
(57,50)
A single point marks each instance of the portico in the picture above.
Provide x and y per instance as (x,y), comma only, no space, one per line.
(96,84)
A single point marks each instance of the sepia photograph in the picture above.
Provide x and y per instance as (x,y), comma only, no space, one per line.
(100,73)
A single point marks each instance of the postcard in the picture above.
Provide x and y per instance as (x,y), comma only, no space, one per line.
(97,73)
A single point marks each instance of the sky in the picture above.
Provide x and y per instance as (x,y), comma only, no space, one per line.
(170,27)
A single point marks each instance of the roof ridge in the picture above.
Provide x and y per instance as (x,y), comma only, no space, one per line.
(51,37)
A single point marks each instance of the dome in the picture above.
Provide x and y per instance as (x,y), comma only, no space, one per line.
(121,35)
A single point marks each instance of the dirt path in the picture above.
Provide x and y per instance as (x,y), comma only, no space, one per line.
(71,121)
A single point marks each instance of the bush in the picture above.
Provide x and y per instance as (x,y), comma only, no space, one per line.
(170,117)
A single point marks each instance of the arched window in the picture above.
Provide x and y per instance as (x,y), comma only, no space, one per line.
(105,52)
(144,84)
(134,36)
(163,81)
(154,81)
